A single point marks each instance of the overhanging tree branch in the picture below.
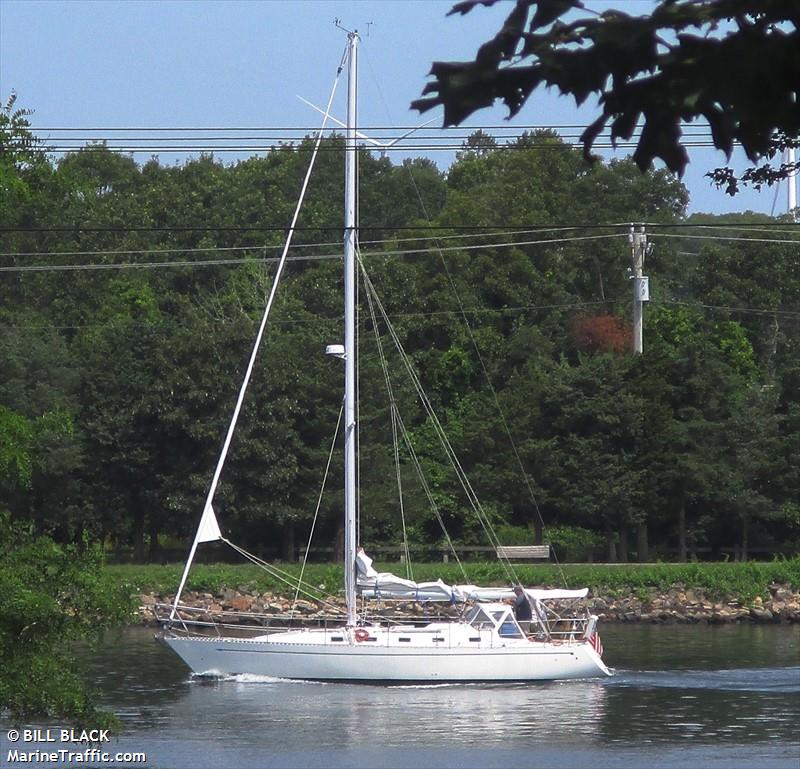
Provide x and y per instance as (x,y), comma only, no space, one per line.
(731,63)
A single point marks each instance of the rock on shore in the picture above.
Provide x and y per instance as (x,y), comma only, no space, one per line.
(678,605)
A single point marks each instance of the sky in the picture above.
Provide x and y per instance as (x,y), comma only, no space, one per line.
(242,63)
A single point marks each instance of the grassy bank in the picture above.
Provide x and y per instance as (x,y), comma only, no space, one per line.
(744,580)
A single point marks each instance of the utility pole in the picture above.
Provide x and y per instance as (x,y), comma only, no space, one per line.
(792,183)
(641,288)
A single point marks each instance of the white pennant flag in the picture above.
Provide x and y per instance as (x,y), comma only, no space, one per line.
(208,531)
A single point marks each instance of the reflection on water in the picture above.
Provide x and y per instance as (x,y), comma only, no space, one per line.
(728,694)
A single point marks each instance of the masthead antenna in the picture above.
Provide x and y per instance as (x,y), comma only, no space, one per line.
(338,24)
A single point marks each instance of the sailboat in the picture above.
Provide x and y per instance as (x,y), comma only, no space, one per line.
(481,642)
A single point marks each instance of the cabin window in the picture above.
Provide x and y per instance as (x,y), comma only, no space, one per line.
(478,618)
(510,629)
(337,638)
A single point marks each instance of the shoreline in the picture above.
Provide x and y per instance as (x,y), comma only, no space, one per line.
(678,605)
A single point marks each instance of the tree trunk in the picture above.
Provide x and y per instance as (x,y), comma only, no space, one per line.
(743,555)
(338,545)
(623,542)
(682,551)
(287,542)
(611,546)
(642,547)
(537,530)
(772,348)
(154,549)
(80,528)
(138,532)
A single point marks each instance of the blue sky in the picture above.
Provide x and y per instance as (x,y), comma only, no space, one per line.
(200,63)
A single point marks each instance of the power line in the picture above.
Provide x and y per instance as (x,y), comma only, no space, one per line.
(117,228)
(337,318)
(727,308)
(315,257)
(292,138)
(307,228)
(156,265)
(740,239)
(411,147)
(779,227)
(290,133)
(263,247)
(311,129)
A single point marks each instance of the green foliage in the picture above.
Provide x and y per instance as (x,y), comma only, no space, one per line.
(745,580)
(51,596)
(117,386)
(573,544)
(16,437)
(710,70)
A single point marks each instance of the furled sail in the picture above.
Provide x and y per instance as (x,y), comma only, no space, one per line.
(374,584)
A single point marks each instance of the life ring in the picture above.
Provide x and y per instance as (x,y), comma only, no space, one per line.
(361,634)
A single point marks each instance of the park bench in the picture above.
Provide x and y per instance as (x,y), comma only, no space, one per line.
(523,551)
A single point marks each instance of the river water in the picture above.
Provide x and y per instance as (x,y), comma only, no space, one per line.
(681,696)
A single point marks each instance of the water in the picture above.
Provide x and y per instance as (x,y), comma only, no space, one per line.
(714,697)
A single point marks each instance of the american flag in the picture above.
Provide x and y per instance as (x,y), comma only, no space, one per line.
(597,644)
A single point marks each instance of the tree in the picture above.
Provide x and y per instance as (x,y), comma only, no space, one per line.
(50,596)
(589,448)
(695,375)
(601,333)
(732,63)
(39,388)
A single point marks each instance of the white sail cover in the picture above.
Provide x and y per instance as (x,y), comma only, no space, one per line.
(374,584)
(208,530)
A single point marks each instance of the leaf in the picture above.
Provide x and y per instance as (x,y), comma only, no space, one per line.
(547,11)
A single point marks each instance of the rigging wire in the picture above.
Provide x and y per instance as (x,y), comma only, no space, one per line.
(394,419)
(253,354)
(281,575)
(498,406)
(316,513)
(466,485)
(414,459)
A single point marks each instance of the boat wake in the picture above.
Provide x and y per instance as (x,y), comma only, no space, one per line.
(768,680)
(254,678)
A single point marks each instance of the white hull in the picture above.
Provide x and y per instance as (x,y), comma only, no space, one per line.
(311,655)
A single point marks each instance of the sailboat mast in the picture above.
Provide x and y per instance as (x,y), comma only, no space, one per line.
(350,224)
